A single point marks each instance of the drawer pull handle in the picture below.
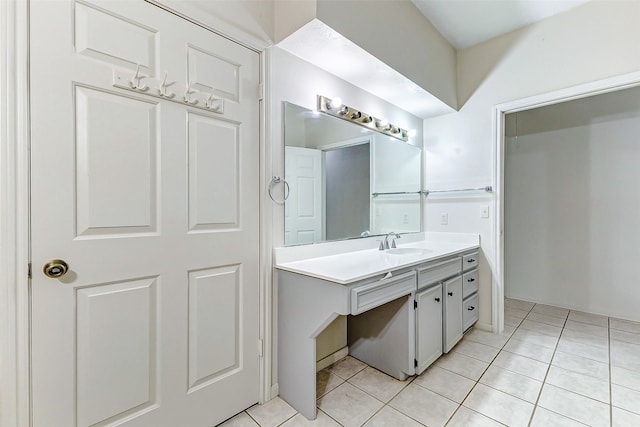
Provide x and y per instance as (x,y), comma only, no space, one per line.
(437,299)
(471,260)
(450,294)
(471,308)
(471,279)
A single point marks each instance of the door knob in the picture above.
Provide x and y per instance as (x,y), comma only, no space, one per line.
(55,268)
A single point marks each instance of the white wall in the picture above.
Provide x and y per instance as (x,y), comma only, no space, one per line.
(247,21)
(589,43)
(572,204)
(395,32)
(296,81)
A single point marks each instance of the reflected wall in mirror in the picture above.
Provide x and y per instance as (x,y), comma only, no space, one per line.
(339,172)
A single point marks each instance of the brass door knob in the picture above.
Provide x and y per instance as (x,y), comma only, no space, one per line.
(55,268)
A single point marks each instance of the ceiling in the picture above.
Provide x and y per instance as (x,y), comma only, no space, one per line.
(466,23)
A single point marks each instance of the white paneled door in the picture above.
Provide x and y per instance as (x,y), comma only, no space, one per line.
(303,208)
(153,203)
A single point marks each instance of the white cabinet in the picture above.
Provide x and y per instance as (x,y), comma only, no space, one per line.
(452,297)
(428,327)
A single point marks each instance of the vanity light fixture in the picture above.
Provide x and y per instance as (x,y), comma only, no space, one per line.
(334,107)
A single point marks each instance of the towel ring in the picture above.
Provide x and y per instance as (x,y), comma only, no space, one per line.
(287,190)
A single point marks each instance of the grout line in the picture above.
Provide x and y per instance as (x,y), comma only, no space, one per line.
(544,381)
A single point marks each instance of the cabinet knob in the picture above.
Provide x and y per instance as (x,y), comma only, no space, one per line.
(471,279)
(450,294)
(471,308)
(437,299)
(471,260)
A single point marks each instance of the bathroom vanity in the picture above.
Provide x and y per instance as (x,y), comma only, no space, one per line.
(405,306)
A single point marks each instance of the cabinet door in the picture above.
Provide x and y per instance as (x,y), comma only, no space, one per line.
(428,327)
(452,312)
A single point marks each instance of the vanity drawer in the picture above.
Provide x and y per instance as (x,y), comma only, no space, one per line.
(438,271)
(372,294)
(470,283)
(469,311)
(469,261)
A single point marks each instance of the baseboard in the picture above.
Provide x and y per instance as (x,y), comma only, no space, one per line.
(275,391)
(483,326)
(332,358)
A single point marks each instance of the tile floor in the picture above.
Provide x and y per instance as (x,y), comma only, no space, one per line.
(551,367)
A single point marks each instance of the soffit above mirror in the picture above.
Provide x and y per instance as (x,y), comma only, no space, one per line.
(327,49)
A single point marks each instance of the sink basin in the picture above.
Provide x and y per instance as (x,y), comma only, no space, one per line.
(407,251)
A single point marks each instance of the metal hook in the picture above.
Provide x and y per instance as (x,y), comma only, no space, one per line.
(136,80)
(209,103)
(287,189)
(162,91)
(187,95)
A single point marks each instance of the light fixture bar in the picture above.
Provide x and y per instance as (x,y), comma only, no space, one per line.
(327,106)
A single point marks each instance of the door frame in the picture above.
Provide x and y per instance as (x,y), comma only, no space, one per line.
(15,390)
(499,112)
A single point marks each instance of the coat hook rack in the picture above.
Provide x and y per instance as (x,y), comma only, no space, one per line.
(159,88)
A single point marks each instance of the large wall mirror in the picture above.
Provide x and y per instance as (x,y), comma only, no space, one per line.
(347,181)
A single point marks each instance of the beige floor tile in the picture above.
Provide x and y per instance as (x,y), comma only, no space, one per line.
(272,413)
(581,365)
(625,336)
(388,417)
(465,417)
(489,338)
(542,328)
(590,352)
(520,305)
(424,405)
(545,418)
(592,319)
(445,383)
(462,365)
(378,384)
(322,420)
(535,338)
(625,378)
(624,325)
(575,406)
(537,352)
(512,321)
(521,365)
(349,405)
(517,385)
(240,420)
(499,406)
(587,328)
(622,418)
(347,367)
(551,311)
(515,312)
(546,319)
(585,385)
(326,381)
(476,350)
(625,398)
(625,355)
(587,339)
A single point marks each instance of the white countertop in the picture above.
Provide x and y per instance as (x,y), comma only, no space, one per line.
(348,262)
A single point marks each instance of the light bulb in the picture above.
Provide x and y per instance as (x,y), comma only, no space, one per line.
(335,103)
(412,133)
(383,124)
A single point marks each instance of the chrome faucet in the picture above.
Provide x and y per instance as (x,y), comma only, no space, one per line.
(384,244)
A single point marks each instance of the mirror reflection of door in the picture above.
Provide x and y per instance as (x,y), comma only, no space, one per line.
(347,191)
(303,209)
